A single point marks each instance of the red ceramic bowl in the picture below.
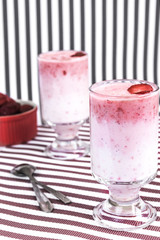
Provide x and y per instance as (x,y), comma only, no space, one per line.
(19,128)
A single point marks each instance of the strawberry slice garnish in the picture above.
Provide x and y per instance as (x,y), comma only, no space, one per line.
(140,88)
(78,54)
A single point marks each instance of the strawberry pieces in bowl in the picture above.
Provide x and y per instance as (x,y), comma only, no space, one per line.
(18,120)
(9,106)
(140,89)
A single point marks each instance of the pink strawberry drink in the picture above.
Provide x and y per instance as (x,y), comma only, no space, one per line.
(124,134)
(63,77)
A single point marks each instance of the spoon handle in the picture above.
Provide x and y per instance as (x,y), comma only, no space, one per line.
(56,193)
(43,201)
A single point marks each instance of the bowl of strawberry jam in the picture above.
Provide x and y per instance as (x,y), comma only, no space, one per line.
(18,121)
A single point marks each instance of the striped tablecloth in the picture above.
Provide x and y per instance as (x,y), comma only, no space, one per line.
(20,217)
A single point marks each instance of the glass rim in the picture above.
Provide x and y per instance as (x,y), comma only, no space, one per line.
(136,81)
(57,60)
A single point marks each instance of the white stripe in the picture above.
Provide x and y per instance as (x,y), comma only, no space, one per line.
(44,25)
(33,44)
(2,59)
(140,40)
(55,25)
(109,45)
(72,165)
(151,37)
(20,200)
(44,160)
(27,147)
(2,238)
(52,138)
(23,54)
(40,213)
(76,10)
(51,135)
(98,27)
(53,172)
(152,187)
(77,177)
(83,128)
(11,50)
(87,7)
(130,39)
(66,24)
(120,29)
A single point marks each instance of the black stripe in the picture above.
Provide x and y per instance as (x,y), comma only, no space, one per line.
(49,6)
(125,34)
(135,39)
(82,25)
(93,40)
(114,38)
(38,11)
(60,25)
(16,18)
(156,41)
(145,56)
(5,29)
(29,77)
(71,24)
(104,40)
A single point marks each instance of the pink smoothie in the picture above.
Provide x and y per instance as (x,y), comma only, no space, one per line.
(124,132)
(63,78)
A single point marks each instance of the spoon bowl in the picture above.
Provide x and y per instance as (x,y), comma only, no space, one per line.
(23,170)
(17,170)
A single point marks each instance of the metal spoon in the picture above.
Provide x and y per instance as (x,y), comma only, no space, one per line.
(17,171)
(27,170)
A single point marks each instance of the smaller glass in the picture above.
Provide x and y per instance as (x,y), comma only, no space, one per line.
(124,146)
(63,81)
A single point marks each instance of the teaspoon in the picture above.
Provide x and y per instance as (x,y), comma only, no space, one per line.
(43,201)
(17,172)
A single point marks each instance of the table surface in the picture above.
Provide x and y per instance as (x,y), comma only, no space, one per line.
(20,216)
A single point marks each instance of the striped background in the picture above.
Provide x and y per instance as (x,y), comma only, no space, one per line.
(120,36)
(20,217)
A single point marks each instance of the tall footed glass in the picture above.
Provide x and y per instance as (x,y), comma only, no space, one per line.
(63,82)
(124,147)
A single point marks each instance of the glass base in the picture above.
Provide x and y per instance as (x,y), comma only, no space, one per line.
(67,149)
(124,216)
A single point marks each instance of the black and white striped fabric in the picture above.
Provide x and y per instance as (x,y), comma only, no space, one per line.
(120,36)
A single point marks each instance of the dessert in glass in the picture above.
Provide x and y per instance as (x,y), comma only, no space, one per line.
(63,82)
(124,149)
